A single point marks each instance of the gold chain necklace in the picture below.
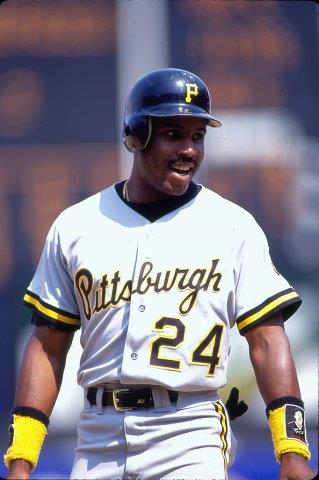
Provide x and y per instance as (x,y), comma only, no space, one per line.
(125,192)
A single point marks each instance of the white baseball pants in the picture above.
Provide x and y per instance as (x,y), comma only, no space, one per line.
(191,440)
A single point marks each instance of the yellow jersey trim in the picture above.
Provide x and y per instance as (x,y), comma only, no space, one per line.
(36,303)
(268,308)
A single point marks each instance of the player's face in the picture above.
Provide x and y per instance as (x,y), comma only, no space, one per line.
(170,160)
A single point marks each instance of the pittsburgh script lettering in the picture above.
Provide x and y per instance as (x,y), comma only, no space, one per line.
(112,290)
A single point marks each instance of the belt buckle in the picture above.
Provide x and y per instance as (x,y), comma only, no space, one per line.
(116,400)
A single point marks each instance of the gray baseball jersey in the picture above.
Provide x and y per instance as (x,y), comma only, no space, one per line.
(156,300)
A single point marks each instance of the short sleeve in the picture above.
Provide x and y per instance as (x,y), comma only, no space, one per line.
(51,291)
(260,289)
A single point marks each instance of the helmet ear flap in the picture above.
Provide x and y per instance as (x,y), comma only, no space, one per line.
(128,139)
(127,130)
(136,132)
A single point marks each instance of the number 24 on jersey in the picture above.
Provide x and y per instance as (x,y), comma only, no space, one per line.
(206,353)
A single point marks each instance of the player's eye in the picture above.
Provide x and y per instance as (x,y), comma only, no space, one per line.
(173,134)
(198,136)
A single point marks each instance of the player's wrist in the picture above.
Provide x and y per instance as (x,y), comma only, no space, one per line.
(19,469)
(288,457)
(20,464)
(286,418)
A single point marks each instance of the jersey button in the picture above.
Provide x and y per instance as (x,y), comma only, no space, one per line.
(134,356)
(141,308)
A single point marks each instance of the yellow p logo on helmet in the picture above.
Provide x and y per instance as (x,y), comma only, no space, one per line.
(191,89)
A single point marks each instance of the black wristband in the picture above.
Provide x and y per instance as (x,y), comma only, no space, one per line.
(31,412)
(279,402)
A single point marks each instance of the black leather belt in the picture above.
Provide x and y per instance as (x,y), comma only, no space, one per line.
(126,399)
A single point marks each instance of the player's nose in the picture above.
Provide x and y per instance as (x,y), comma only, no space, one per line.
(187,151)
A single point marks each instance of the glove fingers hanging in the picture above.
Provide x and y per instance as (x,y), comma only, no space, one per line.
(234,407)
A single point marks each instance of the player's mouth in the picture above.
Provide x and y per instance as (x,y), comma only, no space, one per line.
(182,167)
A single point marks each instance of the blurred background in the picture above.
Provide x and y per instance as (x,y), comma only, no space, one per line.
(66,68)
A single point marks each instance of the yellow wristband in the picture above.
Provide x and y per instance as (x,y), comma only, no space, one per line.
(288,430)
(28,438)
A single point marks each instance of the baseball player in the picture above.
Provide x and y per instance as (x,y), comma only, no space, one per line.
(156,270)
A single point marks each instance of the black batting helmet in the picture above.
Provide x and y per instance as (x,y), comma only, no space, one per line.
(167,92)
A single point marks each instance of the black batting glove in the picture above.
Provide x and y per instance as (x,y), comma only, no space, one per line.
(234,408)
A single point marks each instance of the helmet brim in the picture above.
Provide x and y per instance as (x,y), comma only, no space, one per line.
(180,110)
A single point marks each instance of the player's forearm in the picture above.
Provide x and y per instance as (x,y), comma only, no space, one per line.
(278,384)
(41,371)
(39,379)
(272,361)
(38,386)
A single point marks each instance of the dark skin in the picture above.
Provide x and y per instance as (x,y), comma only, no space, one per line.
(276,377)
(175,141)
(161,170)
(40,379)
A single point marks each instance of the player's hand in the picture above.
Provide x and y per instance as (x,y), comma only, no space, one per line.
(295,467)
(234,408)
(19,469)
